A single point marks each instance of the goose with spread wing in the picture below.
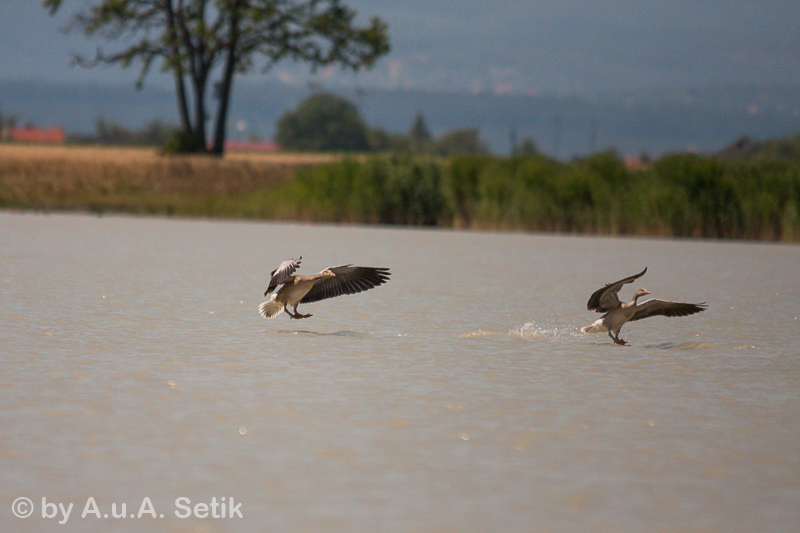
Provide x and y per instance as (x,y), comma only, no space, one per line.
(617,313)
(331,282)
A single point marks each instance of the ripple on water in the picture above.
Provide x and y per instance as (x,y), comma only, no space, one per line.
(690,345)
(341,333)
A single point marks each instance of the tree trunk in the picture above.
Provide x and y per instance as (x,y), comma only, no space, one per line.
(183,108)
(226,84)
(180,88)
(200,68)
(222,116)
(199,132)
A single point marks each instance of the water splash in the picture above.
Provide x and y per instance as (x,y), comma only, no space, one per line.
(534,331)
(528,331)
(481,333)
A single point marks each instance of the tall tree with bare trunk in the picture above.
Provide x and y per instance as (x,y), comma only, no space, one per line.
(205,43)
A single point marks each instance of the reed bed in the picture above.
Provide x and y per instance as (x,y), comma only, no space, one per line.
(681,195)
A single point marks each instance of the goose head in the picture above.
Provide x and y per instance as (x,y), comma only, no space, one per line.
(640,293)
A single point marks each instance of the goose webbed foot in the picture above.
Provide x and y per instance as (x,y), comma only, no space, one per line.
(297,315)
(616,339)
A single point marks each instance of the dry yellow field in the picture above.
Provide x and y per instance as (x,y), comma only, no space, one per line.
(135,178)
(122,154)
(69,166)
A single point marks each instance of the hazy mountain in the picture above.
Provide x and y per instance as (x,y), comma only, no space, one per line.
(654,121)
(545,47)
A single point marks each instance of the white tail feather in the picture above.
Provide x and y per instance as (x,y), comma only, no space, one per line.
(270,308)
(597,327)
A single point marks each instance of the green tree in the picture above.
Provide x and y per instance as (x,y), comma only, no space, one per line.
(526,147)
(382,141)
(7,122)
(419,137)
(322,122)
(196,40)
(461,141)
(110,132)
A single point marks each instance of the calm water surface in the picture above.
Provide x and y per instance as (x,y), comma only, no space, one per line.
(460,396)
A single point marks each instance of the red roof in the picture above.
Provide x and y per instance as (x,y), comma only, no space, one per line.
(29,134)
(251,146)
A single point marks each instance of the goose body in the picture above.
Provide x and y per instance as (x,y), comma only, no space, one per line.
(617,313)
(331,282)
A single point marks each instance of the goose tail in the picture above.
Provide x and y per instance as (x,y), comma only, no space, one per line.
(597,327)
(271,308)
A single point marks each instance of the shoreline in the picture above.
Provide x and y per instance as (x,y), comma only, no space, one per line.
(391,191)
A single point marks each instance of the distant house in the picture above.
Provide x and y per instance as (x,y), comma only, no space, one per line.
(636,162)
(31,134)
(250,146)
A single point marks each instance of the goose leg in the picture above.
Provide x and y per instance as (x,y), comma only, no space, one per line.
(300,315)
(291,315)
(616,339)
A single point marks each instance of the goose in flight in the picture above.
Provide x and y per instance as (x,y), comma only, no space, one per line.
(333,281)
(617,313)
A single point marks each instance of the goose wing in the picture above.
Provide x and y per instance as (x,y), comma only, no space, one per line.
(279,275)
(606,299)
(348,279)
(654,306)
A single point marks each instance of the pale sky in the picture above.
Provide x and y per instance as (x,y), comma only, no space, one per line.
(518,46)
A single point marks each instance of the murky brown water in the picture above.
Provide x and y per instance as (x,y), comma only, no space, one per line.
(461,396)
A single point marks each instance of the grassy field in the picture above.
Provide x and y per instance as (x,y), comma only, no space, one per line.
(679,195)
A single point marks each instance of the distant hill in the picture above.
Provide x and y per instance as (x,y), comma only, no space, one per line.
(653,122)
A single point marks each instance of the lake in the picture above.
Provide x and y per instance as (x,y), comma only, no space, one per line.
(140,385)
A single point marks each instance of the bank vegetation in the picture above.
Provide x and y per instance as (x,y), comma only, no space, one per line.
(682,195)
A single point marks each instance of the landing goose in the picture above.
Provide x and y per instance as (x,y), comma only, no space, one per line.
(617,313)
(331,282)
